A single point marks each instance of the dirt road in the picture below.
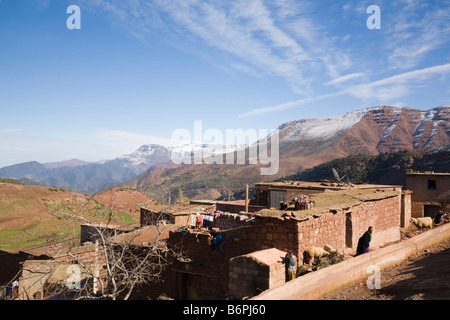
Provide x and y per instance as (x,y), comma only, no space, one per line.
(423,276)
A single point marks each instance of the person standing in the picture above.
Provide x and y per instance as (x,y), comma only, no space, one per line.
(290,265)
(364,242)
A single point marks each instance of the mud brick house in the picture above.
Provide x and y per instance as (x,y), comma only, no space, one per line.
(240,254)
(430,192)
(177,214)
(91,232)
(40,278)
(340,215)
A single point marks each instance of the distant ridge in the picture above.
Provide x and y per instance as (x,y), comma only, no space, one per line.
(67,163)
(307,143)
(304,144)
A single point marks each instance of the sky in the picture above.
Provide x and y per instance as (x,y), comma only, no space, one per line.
(136,71)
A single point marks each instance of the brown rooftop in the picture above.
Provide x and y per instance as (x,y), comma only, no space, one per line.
(335,201)
(178,209)
(320,185)
(424,173)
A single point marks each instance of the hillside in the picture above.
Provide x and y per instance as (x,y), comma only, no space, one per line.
(31,215)
(307,143)
(86,177)
(385,168)
(125,201)
(303,144)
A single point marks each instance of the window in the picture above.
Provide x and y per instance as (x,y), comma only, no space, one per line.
(431,184)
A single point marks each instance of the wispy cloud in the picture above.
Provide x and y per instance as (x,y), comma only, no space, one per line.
(292,40)
(287,105)
(416,29)
(399,85)
(283,38)
(386,89)
(344,78)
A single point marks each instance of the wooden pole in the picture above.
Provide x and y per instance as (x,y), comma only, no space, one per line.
(96,269)
(246,199)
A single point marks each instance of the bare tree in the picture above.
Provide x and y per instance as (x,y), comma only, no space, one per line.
(117,263)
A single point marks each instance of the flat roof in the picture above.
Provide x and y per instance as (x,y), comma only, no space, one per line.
(335,200)
(178,209)
(427,173)
(146,235)
(321,185)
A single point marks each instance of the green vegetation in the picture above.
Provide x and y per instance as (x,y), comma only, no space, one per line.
(128,218)
(10,181)
(9,233)
(385,168)
(55,189)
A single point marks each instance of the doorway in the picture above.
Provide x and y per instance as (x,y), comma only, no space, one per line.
(276,197)
(190,287)
(430,211)
(348,230)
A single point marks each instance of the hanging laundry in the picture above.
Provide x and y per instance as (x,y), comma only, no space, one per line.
(208,221)
(217,241)
(217,214)
(199,221)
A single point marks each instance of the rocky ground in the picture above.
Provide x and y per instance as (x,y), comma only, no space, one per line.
(423,276)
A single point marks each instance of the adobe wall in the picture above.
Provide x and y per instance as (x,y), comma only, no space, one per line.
(383,216)
(318,283)
(33,278)
(298,234)
(236,208)
(209,264)
(406,209)
(149,217)
(423,195)
(211,268)
(255,272)
(230,221)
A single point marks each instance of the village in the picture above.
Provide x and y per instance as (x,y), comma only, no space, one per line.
(234,250)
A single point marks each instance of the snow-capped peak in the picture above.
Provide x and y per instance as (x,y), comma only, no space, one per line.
(321,128)
(144,154)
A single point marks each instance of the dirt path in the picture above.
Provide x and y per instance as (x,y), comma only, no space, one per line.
(423,276)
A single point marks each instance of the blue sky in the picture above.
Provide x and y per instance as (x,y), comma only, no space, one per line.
(138,70)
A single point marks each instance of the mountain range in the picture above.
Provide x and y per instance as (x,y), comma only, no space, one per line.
(306,143)
(303,144)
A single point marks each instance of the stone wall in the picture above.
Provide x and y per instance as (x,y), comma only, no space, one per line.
(236,207)
(230,221)
(33,278)
(383,216)
(314,285)
(150,217)
(406,209)
(256,272)
(206,264)
(206,274)
(330,228)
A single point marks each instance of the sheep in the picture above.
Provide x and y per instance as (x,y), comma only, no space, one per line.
(329,248)
(421,223)
(313,252)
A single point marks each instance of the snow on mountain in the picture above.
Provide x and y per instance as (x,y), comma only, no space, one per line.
(430,123)
(183,152)
(320,128)
(145,154)
(392,125)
